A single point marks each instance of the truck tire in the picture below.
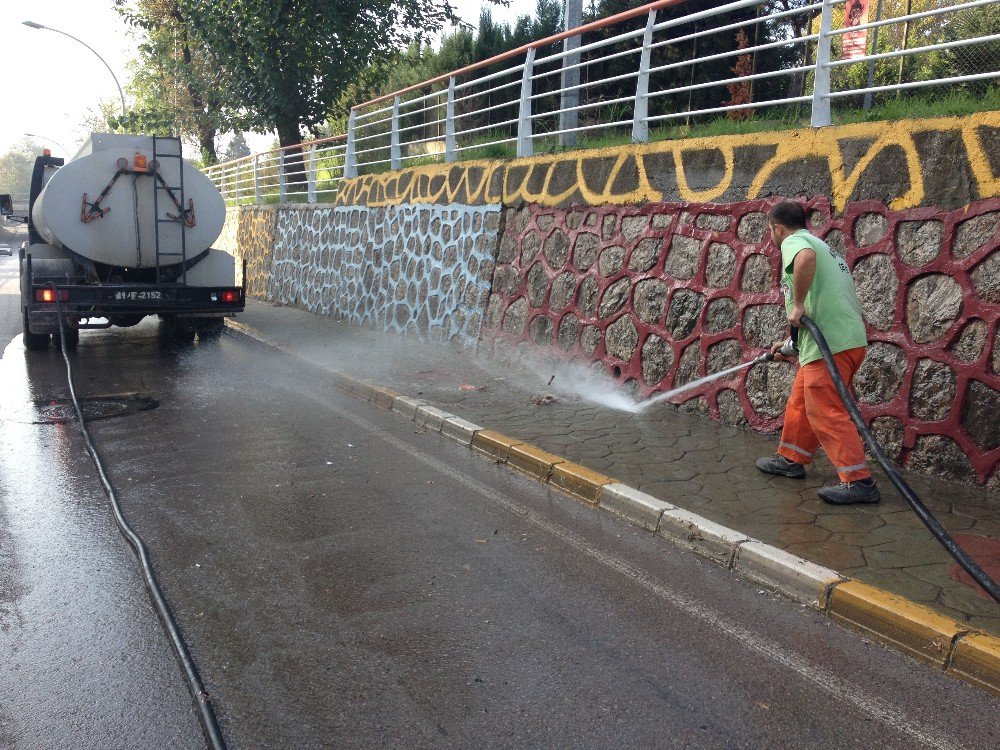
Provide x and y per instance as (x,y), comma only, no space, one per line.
(71,340)
(175,331)
(210,328)
(33,342)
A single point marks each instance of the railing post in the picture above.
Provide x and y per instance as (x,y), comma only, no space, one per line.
(569,100)
(524,145)
(867,104)
(395,153)
(282,192)
(350,161)
(449,122)
(640,115)
(311,175)
(256,178)
(821,80)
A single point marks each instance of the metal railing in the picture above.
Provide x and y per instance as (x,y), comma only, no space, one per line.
(307,173)
(647,68)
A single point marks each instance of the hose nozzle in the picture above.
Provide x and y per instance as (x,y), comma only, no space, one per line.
(788,349)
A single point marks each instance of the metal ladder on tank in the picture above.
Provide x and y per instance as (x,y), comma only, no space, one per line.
(178,192)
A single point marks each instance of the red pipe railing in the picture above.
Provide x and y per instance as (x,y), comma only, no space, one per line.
(592,26)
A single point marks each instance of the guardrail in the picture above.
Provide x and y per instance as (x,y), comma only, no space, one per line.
(307,173)
(645,68)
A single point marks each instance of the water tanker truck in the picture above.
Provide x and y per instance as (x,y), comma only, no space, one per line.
(122,231)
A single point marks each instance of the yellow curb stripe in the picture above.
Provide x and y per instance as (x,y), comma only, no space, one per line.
(913,629)
(976,659)
(579,481)
(889,618)
(533,461)
(494,444)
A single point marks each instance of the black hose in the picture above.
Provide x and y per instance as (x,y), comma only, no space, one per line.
(202,700)
(961,556)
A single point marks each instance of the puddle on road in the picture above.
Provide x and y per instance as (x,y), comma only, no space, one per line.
(95,408)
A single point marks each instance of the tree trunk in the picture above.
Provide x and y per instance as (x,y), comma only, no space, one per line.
(206,141)
(295,176)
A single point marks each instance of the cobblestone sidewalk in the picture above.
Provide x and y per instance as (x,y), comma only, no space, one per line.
(684,459)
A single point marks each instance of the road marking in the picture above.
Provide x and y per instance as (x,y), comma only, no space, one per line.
(835,687)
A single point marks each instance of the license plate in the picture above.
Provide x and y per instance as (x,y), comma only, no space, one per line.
(139,295)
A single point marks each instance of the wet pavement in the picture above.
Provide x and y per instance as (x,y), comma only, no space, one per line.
(685,459)
(83,659)
(346,580)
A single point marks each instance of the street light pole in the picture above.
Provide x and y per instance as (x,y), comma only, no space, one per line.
(34,25)
(51,140)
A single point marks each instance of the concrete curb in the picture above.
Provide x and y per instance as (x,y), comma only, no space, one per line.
(915,630)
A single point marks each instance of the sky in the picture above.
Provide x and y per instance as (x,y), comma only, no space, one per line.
(54,83)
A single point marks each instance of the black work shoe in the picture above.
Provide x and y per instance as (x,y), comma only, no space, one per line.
(847,493)
(778,464)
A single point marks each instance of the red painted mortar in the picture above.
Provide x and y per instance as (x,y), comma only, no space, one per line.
(984,462)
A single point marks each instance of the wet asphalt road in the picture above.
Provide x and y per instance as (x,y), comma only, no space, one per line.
(345,581)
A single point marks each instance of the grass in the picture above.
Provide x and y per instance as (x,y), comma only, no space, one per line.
(770,119)
(766,119)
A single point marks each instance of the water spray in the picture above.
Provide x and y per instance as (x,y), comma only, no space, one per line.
(788,349)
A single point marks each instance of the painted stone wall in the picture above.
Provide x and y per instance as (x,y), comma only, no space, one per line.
(413,269)
(255,236)
(248,234)
(651,261)
(662,294)
(946,162)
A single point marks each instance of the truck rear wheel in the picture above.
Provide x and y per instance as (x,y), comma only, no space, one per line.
(176,331)
(34,342)
(210,328)
(71,340)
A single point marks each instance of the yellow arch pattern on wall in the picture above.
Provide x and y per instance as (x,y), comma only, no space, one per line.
(490,182)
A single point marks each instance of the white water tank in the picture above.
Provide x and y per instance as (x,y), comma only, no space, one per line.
(126,234)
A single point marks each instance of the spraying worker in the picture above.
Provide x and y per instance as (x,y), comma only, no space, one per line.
(817,282)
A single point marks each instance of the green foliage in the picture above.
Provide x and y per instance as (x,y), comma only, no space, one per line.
(954,102)
(142,119)
(16,167)
(175,84)
(975,58)
(237,148)
(788,117)
(290,62)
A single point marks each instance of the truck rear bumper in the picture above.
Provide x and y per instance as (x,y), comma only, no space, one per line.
(79,302)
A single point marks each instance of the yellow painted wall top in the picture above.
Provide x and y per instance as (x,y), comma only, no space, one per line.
(947,161)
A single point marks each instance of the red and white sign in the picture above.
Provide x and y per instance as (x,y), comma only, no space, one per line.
(855,42)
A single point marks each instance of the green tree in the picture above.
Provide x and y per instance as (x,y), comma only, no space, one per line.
(976,58)
(237,147)
(16,167)
(290,61)
(176,84)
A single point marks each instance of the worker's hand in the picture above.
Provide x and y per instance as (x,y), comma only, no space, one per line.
(795,316)
(776,348)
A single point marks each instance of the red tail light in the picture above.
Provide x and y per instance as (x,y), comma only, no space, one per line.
(229,296)
(49,295)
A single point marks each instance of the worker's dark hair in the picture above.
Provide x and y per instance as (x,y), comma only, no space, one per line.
(789,214)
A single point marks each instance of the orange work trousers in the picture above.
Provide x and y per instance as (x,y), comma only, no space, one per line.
(815,417)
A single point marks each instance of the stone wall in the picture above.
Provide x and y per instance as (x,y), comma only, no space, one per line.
(413,269)
(651,262)
(662,294)
(248,234)
(256,238)
(945,162)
